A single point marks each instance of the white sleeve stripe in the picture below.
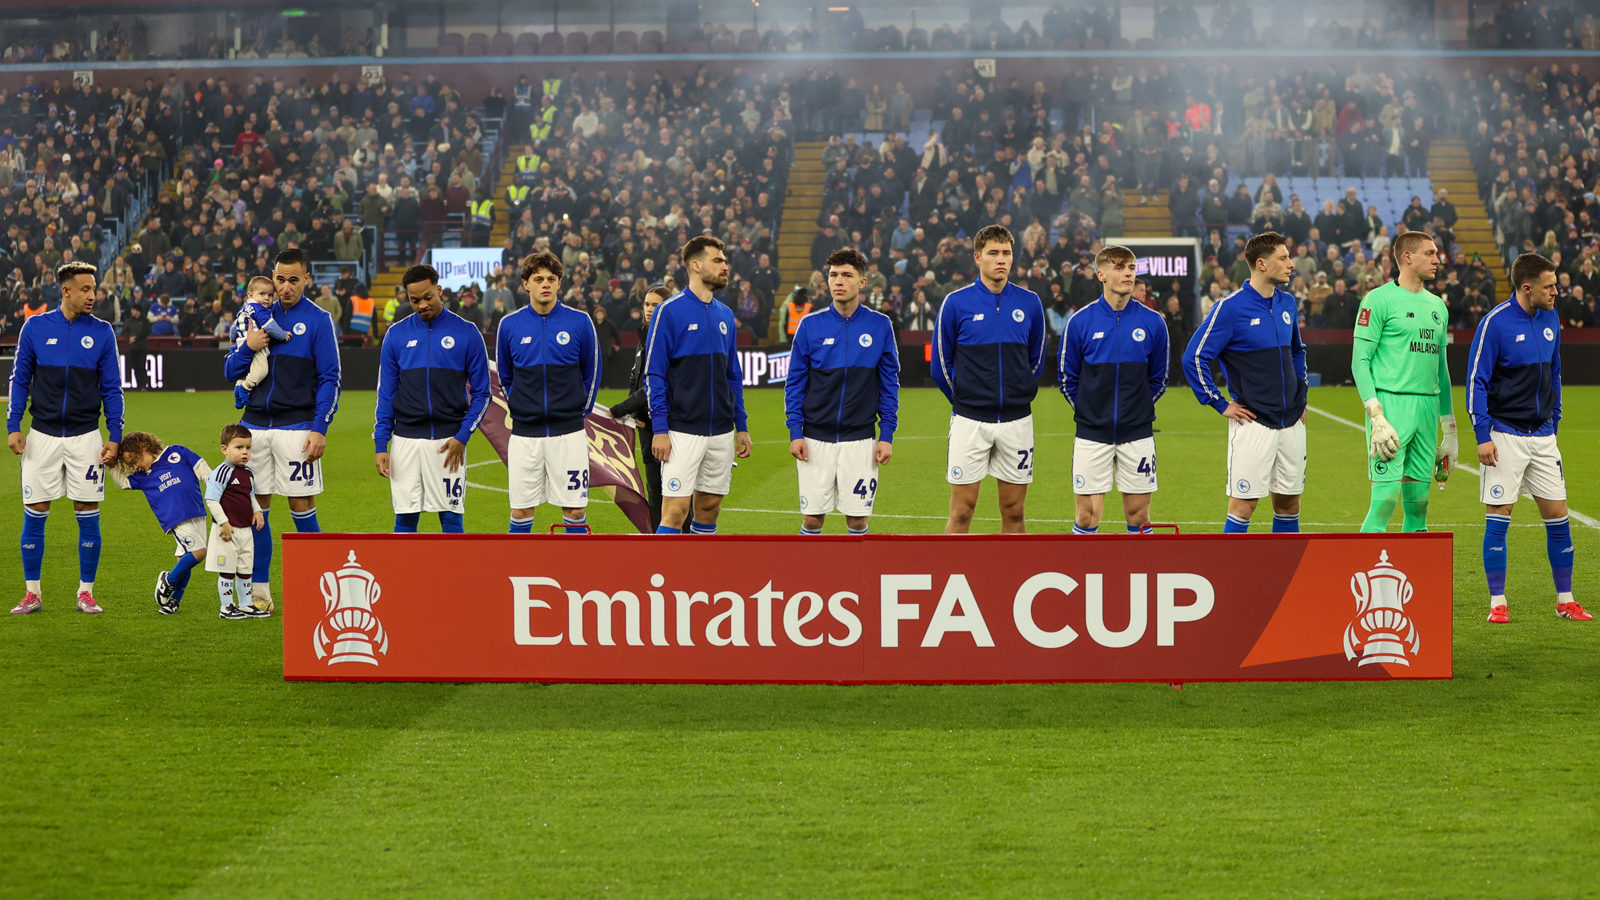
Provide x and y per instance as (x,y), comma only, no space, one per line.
(594,387)
(656,320)
(1477,359)
(1202,370)
(938,337)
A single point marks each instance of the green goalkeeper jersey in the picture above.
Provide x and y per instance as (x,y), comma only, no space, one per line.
(1403,336)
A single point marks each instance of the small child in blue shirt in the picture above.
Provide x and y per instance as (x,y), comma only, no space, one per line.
(255,313)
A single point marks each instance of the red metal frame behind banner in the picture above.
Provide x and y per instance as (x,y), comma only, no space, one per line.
(920,609)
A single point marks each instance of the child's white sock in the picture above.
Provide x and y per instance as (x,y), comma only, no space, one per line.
(241,590)
(225,590)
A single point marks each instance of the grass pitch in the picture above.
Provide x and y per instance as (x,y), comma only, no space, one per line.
(154,756)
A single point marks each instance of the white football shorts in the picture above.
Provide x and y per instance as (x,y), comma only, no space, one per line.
(55,467)
(552,470)
(1528,465)
(838,477)
(1264,460)
(1001,449)
(1133,462)
(698,462)
(234,557)
(418,480)
(278,459)
(190,535)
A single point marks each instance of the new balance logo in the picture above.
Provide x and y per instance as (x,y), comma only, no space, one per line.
(49,342)
(527,340)
(411,343)
(1520,338)
(695,326)
(827,342)
(978,317)
(1098,335)
(1255,321)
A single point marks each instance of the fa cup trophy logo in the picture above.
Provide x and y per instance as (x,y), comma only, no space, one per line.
(1381,632)
(358,636)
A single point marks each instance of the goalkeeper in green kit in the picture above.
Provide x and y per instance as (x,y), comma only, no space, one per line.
(1400,371)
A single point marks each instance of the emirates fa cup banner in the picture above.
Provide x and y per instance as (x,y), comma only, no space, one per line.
(874,610)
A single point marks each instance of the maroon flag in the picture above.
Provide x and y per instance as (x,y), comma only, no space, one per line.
(612,467)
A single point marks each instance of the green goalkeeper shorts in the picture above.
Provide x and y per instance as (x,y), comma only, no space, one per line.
(1416,418)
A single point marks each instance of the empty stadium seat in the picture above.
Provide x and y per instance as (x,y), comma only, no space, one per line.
(452,39)
(672,47)
(748,43)
(600,42)
(527,44)
(501,44)
(625,42)
(722,45)
(577,43)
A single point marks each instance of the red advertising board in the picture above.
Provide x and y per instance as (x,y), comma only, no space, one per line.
(889,609)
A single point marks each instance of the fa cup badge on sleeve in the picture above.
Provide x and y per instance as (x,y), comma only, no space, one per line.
(1381,631)
(358,636)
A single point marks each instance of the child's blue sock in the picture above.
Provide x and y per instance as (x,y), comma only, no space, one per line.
(805,530)
(1141,529)
(262,573)
(1285,524)
(668,529)
(521,526)
(178,578)
(89,547)
(450,523)
(579,525)
(32,542)
(1494,552)
(1235,525)
(858,532)
(702,528)
(1558,545)
(406,523)
(306,522)
(1079,529)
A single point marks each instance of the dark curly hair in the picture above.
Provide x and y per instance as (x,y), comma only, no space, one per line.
(134,445)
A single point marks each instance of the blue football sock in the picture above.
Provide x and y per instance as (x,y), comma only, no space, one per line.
(1141,529)
(262,573)
(858,532)
(1558,545)
(1235,525)
(702,528)
(406,523)
(1494,552)
(450,523)
(178,578)
(89,544)
(805,530)
(1282,524)
(521,526)
(668,529)
(32,542)
(1079,529)
(579,525)
(306,522)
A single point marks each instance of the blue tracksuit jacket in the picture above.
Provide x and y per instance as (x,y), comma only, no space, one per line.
(988,350)
(1112,368)
(69,372)
(549,369)
(433,380)
(692,374)
(1514,372)
(301,390)
(1257,339)
(844,377)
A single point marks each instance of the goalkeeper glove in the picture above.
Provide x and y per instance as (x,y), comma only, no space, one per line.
(1385,441)
(1449,448)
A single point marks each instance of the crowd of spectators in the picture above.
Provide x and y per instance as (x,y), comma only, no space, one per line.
(1073,25)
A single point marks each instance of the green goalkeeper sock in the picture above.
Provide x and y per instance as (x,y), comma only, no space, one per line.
(1385,494)
(1414,498)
